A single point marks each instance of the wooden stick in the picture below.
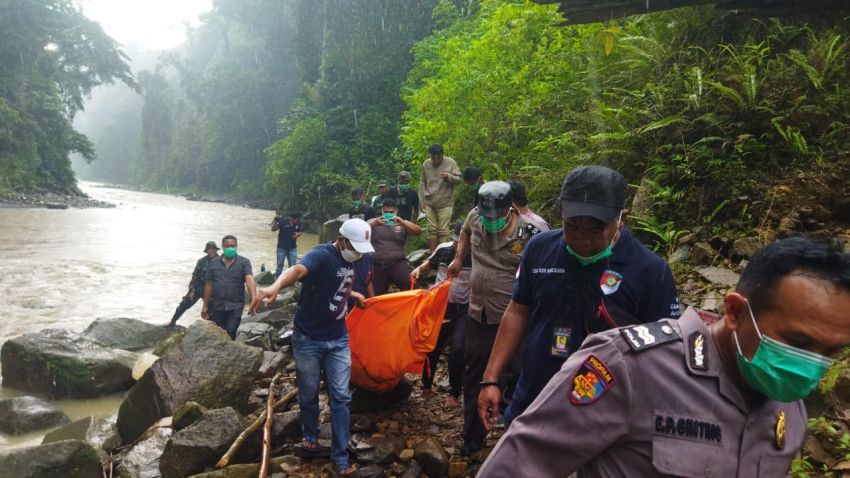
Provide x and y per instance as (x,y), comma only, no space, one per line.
(225,459)
(267,430)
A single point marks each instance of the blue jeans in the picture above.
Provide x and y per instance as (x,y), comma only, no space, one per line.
(334,357)
(285,254)
(228,320)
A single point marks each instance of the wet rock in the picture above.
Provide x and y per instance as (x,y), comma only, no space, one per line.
(702,253)
(64,459)
(201,444)
(126,334)
(414,469)
(286,425)
(142,460)
(719,276)
(433,458)
(264,278)
(273,362)
(62,364)
(19,415)
(206,367)
(375,449)
(371,471)
(100,433)
(745,247)
(364,401)
(187,414)
(256,334)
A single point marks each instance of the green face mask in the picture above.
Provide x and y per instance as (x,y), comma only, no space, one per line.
(403,187)
(586,261)
(780,371)
(494,226)
(389,216)
(357,202)
(475,186)
(229,252)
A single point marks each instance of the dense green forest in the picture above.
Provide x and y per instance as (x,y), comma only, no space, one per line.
(298,100)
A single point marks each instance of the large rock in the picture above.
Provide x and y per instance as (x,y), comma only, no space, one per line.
(746,247)
(277,318)
(20,415)
(64,459)
(286,425)
(100,433)
(701,252)
(142,461)
(273,362)
(264,278)
(330,229)
(206,367)
(433,458)
(375,449)
(202,443)
(256,334)
(127,334)
(62,364)
(719,276)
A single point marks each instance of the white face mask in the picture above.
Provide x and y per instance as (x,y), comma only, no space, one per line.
(350,256)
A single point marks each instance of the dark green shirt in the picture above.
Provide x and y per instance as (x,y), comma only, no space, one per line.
(199,275)
(228,283)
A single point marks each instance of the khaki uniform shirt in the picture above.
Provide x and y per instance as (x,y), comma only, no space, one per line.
(435,191)
(649,400)
(495,260)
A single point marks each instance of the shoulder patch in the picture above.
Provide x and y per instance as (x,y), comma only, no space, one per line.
(532,230)
(696,344)
(644,336)
(590,382)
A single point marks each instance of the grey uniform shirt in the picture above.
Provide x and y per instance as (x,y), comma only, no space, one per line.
(228,283)
(649,400)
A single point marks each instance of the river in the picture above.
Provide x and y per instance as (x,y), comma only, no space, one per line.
(66,268)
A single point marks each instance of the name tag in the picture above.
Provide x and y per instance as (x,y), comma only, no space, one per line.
(560,342)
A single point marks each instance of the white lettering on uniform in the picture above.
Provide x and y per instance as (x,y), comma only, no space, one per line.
(551,270)
(644,335)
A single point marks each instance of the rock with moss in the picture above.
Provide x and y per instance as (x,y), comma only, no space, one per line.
(63,364)
(206,367)
(64,459)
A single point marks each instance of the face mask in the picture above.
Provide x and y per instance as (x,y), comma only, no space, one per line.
(601,256)
(494,225)
(350,256)
(403,187)
(475,186)
(389,216)
(779,371)
(229,252)
(357,202)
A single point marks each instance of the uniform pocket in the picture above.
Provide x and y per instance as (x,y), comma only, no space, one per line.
(773,466)
(675,457)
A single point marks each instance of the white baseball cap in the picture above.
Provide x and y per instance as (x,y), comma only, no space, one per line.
(359,233)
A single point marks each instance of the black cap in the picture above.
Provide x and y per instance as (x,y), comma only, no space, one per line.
(404,175)
(493,196)
(594,191)
(211,244)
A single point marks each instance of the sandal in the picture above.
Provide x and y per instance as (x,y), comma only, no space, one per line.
(343,469)
(310,447)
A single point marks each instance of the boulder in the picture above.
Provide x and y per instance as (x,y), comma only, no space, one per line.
(745,247)
(286,425)
(701,253)
(273,362)
(433,458)
(62,364)
(256,334)
(277,318)
(127,334)
(330,229)
(418,257)
(719,276)
(264,278)
(414,469)
(375,449)
(202,443)
(206,367)
(19,415)
(186,415)
(143,459)
(100,433)
(64,459)
(173,341)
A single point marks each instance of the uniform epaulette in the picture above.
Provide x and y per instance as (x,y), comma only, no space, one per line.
(645,336)
(531,230)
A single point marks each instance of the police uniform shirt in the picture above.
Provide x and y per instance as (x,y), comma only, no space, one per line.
(649,400)
(634,286)
(495,259)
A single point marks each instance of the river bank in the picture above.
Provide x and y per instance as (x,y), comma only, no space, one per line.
(51,200)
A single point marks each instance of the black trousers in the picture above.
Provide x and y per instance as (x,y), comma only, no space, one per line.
(453,332)
(228,320)
(185,305)
(479,342)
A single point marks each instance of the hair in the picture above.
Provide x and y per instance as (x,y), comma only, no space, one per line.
(356,192)
(518,193)
(471,173)
(389,202)
(295,214)
(435,149)
(789,257)
(228,237)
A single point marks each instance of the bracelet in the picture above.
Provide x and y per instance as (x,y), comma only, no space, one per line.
(488,384)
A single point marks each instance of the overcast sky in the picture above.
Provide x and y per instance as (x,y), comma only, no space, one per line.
(149,24)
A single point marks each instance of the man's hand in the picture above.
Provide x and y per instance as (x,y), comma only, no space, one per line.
(360,298)
(488,404)
(444,175)
(205,312)
(377,221)
(268,295)
(414,274)
(454,268)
